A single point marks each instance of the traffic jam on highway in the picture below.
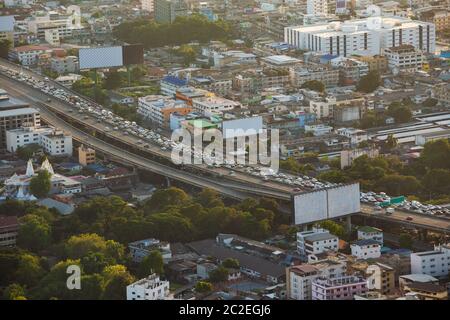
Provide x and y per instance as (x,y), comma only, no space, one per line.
(88,109)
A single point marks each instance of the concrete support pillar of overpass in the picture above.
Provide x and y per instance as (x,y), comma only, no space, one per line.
(348,224)
(423,234)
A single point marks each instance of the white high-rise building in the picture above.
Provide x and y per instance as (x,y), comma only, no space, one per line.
(362,36)
(148,5)
(317,7)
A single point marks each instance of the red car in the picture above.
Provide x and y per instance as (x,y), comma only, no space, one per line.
(409,218)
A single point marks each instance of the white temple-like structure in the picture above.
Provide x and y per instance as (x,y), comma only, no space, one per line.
(18,186)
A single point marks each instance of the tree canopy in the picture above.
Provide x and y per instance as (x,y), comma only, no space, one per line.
(40,184)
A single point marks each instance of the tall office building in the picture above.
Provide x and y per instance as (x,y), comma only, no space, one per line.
(166,11)
(362,36)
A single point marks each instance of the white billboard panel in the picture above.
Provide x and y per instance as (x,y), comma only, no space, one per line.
(310,207)
(343,200)
(241,127)
(105,57)
(326,204)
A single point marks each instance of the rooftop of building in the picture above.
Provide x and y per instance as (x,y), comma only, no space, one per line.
(418,277)
(369,229)
(426,287)
(365,242)
(8,221)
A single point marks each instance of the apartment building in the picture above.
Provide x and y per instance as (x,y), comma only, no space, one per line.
(27,55)
(299,281)
(169,85)
(404,58)
(366,249)
(63,65)
(440,18)
(25,135)
(367,232)
(328,75)
(347,156)
(342,288)
(150,288)
(51,36)
(355,136)
(86,155)
(9,228)
(166,11)
(316,241)
(317,7)
(214,105)
(15,114)
(377,63)
(57,143)
(435,263)
(362,36)
(158,108)
(381,277)
(148,5)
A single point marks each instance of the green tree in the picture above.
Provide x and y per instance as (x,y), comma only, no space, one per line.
(81,245)
(437,181)
(219,274)
(5,45)
(95,262)
(391,142)
(188,53)
(369,82)
(54,284)
(400,112)
(333,227)
(334,176)
(231,263)
(430,103)
(405,241)
(153,263)
(166,197)
(116,279)
(397,185)
(203,287)
(14,292)
(209,198)
(314,85)
(436,154)
(29,270)
(40,184)
(34,233)
(113,80)
(28,151)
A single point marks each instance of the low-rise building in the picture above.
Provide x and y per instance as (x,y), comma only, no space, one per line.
(356,136)
(27,55)
(366,249)
(342,288)
(316,241)
(159,108)
(435,263)
(367,232)
(318,129)
(381,277)
(404,280)
(214,105)
(426,291)
(57,143)
(142,248)
(62,65)
(347,156)
(86,155)
(9,228)
(150,288)
(171,84)
(404,58)
(299,281)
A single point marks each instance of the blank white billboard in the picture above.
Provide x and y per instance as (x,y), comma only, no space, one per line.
(326,204)
(105,57)
(343,200)
(241,127)
(310,207)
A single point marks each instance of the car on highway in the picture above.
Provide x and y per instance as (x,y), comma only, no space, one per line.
(409,218)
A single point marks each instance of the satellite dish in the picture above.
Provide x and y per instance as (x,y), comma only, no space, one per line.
(373,11)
